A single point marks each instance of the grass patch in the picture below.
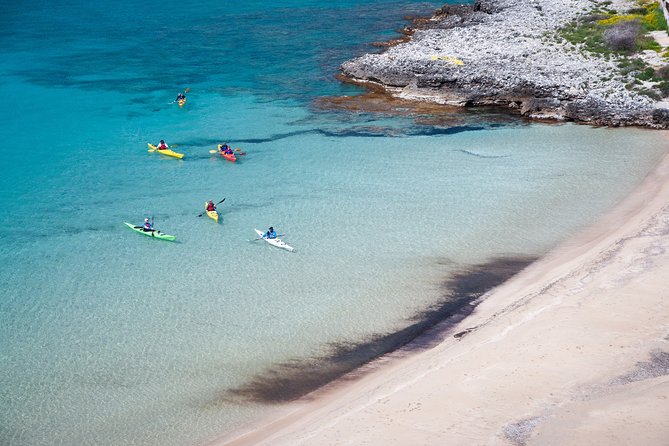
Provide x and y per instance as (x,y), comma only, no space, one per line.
(650,93)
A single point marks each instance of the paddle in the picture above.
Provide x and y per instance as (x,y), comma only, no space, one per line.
(214,205)
(185,91)
(278,236)
(212,151)
(156,147)
(153,229)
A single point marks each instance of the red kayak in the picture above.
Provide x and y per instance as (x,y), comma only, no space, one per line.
(227,156)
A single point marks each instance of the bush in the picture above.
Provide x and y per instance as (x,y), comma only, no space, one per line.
(646,74)
(664,88)
(662,72)
(622,36)
(654,20)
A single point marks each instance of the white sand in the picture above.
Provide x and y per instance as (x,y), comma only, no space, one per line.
(553,356)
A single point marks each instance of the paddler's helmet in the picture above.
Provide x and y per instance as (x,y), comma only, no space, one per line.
(271,228)
(146,220)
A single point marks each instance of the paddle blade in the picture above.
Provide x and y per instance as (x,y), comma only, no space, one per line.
(187,90)
(213,151)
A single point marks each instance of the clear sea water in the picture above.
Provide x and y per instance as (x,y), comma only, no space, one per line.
(108,337)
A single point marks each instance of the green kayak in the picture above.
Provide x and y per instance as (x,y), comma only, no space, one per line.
(154,234)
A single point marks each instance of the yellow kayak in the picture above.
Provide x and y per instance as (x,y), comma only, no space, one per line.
(181,102)
(211,214)
(167,152)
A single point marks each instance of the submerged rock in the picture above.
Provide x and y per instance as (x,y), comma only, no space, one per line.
(508,53)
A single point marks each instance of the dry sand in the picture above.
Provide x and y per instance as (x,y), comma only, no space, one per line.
(574,350)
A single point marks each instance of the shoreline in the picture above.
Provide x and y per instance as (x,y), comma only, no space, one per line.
(538,358)
(510,54)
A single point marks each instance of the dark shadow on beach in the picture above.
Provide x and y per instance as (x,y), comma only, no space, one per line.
(294,379)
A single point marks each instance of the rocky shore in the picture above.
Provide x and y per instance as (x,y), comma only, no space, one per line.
(509,53)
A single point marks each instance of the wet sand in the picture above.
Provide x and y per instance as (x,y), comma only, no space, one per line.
(572,350)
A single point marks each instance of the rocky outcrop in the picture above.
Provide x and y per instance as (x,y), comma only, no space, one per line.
(508,53)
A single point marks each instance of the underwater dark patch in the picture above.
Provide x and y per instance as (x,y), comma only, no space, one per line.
(296,378)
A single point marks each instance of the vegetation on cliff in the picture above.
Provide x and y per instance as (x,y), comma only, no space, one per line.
(623,36)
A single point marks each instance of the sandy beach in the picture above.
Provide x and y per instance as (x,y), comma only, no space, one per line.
(573,350)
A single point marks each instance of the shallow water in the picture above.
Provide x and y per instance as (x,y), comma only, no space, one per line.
(109,337)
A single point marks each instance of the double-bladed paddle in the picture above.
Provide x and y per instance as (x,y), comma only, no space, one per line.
(214,205)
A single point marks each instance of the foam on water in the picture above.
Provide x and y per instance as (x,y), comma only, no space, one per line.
(109,337)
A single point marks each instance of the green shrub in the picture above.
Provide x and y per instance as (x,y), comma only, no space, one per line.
(664,88)
(654,19)
(646,74)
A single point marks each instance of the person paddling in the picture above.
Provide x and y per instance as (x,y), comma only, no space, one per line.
(210,206)
(270,233)
(226,149)
(180,97)
(148,227)
(162,145)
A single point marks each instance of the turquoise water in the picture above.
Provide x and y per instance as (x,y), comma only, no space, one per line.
(112,338)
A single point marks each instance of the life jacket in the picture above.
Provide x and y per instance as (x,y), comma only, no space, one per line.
(210,206)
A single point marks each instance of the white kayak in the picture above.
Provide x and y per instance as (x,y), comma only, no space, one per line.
(274,241)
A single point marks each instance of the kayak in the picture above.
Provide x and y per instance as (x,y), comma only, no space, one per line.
(155,234)
(167,152)
(211,214)
(274,241)
(181,102)
(227,156)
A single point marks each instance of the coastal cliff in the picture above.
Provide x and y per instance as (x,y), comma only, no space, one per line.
(513,53)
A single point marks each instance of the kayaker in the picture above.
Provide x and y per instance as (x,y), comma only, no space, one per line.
(225,148)
(162,145)
(211,206)
(180,97)
(148,227)
(270,233)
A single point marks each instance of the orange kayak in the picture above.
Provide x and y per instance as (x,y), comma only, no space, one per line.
(227,156)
